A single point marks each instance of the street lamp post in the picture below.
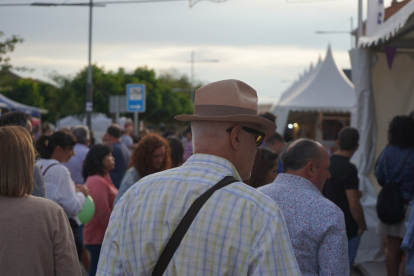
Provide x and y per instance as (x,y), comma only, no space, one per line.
(89,94)
(89,88)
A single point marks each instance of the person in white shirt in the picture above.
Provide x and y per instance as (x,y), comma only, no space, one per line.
(81,149)
(60,188)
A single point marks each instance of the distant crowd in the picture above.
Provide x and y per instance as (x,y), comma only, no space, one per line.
(226,196)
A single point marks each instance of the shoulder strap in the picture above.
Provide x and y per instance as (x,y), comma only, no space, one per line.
(49,168)
(181,230)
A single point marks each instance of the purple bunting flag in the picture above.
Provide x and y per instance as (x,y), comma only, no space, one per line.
(390,53)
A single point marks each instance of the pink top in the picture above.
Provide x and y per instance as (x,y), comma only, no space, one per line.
(103,193)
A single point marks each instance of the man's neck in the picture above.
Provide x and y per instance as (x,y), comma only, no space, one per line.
(302,173)
(114,141)
(345,153)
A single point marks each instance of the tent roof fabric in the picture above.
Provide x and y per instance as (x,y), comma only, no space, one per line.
(391,27)
(34,111)
(325,88)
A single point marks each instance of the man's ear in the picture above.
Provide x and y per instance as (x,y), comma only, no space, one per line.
(310,168)
(337,143)
(235,137)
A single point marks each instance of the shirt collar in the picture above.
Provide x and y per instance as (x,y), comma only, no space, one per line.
(78,145)
(265,145)
(295,180)
(212,160)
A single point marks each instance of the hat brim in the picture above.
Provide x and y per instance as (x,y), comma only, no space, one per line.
(265,125)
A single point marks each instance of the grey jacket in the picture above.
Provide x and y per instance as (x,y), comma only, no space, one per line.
(39,184)
(130,178)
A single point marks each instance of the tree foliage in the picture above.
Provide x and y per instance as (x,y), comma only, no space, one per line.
(68,96)
(7,46)
(162,104)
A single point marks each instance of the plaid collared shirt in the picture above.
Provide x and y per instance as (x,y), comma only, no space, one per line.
(238,231)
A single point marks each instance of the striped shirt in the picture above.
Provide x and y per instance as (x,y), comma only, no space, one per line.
(239,231)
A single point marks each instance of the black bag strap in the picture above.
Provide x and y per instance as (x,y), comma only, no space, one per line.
(185,223)
(49,168)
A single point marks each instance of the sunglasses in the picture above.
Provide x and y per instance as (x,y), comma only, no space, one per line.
(260,135)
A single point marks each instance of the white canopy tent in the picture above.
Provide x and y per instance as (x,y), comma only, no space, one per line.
(100,124)
(324,88)
(382,93)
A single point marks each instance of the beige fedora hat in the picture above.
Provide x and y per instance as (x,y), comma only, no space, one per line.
(227,101)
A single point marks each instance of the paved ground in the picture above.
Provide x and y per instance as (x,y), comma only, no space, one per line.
(86,274)
(355,272)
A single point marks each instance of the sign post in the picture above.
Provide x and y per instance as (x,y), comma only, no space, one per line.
(135,101)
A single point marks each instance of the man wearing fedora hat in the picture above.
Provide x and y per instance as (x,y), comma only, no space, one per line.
(235,231)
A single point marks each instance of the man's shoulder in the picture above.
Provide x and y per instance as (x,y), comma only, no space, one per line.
(81,149)
(338,160)
(120,148)
(327,207)
(237,189)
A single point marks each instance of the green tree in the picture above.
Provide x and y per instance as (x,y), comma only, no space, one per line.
(25,91)
(161,104)
(6,47)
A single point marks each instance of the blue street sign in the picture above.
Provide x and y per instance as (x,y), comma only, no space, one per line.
(135,97)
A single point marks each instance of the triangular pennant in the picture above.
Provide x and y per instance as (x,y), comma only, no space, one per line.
(390,53)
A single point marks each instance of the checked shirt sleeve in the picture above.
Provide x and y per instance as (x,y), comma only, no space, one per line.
(274,253)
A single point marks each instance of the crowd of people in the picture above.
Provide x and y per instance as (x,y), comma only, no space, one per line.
(165,202)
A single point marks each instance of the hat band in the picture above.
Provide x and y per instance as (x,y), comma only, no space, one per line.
(222,110)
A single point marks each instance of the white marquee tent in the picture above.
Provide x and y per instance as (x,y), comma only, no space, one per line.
(381,93)
(100,123)
(324,88)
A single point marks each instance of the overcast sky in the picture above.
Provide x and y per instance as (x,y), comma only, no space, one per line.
(265,43)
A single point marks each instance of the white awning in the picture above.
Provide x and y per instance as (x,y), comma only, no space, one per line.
(390,28)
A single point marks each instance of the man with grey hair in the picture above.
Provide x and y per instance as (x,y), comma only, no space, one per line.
(230,228)
(316,225)
(81,149)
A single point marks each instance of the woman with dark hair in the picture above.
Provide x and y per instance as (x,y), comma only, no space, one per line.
(35,235)
(264,170)
(151,155)
(98,162)
(396,164)
(60,188)
(177,151)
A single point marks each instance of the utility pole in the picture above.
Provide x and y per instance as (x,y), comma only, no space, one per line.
(192,78)
(192,61)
